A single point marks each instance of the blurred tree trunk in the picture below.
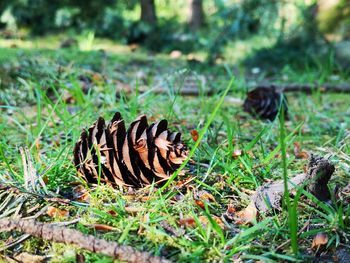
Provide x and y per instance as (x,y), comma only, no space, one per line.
(148,12)
(196,19)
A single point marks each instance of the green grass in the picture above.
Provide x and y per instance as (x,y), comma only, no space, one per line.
(36,113)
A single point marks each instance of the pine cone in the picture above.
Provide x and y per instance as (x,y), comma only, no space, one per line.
(135,157)
(264,103)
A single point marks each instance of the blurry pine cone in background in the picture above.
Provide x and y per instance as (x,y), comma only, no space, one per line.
(137,157)
(265,103)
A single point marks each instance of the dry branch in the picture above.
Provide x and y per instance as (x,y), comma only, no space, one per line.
(290,87)
(64,235)
(307,88)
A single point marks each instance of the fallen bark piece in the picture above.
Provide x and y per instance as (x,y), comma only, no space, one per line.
(64,235)
(28,258)
(319,172)
(269,196)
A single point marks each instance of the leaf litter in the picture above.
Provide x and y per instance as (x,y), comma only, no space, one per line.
(249,216)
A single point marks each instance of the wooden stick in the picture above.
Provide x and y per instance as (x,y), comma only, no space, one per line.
(65,235)
(307,88)
(291,87)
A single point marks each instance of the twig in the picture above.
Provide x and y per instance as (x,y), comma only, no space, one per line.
(26,236)
(64,235)
(15,242)
(290,87)
(307,88)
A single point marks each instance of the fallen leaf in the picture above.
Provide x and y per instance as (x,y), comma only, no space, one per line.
(56,212)
(102,227)
(29,258)
(298,153)
(343,194)
(230,213)
(133,47)
(194,135)
(171,230)
(202,197)
(184,182)
(247,215)
(187,222)
(204,221)
(112,213)
(67,97)
(45,179)
(144,220)
(81,194)
(175,54)
(319,240)
(97,78)
(236,153)
(177,198)
(146,198)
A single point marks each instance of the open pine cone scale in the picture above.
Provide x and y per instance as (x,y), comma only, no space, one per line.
(134,157)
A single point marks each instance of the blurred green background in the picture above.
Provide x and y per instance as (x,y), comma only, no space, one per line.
(267,33)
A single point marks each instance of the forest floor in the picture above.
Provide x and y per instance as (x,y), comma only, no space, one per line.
(48,96)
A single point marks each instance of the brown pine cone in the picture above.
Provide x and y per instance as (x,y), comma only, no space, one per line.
(136,157)
(265,103)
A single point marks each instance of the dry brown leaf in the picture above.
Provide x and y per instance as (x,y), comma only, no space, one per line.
(230,213)
(319,240)
(45,179)
(202,197)
(29,258)
(144,220)
(97,78)
(102,227)
(187,222)
(56,212)
(81,194)
(194,135)
(112,213)
(204,221)
(236,153)
(247,215)
(298,153)
(133,47)
(147,198)
(184,182)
